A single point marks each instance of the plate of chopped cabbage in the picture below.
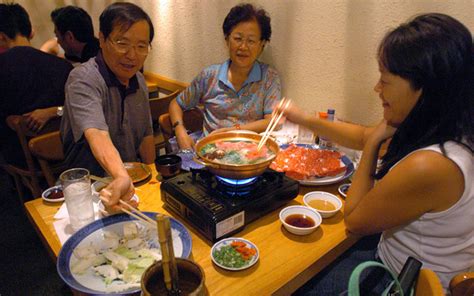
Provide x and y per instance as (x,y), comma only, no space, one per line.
(234,253)
(109,255)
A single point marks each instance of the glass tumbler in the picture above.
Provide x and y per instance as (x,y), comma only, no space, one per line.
(78,197)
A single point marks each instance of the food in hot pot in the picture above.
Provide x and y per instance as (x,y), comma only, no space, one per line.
(236,152)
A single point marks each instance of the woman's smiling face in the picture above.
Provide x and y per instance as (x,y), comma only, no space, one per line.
(397,95)
(245,44)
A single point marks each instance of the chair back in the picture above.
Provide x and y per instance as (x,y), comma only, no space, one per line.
(29,175)
(428,284)
(163,90)
(48,149)
(164,84)
(462,284)
(159,106)
(193,120)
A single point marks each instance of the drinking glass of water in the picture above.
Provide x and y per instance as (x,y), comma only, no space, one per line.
(78,197)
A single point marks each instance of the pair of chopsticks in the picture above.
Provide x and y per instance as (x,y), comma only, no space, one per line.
(129,209)
(280,110)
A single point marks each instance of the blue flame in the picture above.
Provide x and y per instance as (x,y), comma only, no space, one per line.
(237,182)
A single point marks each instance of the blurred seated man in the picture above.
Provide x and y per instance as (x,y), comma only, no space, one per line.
(107,116)
(31,81)
(75,33)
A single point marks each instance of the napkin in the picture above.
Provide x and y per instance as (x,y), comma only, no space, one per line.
(62,226)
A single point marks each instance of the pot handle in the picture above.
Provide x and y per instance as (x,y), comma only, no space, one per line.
(204,163)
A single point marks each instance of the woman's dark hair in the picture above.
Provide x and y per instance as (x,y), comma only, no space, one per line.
(74,19)
(244,13)
(124,15)
(434,52)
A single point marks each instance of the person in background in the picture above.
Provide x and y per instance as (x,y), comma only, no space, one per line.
(106,114)
(239,93)
(422,196)
(31,81)
(75,33)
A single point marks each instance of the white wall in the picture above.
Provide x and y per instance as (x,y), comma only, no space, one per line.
(323,49)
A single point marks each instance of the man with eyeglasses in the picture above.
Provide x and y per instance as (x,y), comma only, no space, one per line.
(107,117)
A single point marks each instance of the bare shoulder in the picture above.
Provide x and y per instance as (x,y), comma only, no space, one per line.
(435,174)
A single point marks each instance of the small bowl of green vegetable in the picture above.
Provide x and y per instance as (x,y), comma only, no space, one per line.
(234,253)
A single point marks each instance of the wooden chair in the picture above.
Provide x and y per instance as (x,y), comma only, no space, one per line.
(462,284)
(158,107)
(428,284)
(30,175)
(163,91)
(164,85)
(48,149)
(193,120)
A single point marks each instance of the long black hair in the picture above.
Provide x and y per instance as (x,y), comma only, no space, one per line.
(434,52)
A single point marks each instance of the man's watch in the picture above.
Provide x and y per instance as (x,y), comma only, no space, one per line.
(60,111)
(175,124)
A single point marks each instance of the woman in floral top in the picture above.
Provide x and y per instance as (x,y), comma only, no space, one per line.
(239,93)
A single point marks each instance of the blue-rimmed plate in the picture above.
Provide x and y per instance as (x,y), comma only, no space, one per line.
(93,234)
(331,179)
(187,162)
(226,242)
(343,189)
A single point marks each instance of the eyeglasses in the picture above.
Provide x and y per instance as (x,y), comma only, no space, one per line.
(239,40)
(123,47)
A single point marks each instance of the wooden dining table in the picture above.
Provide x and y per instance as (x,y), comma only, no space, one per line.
(286,260)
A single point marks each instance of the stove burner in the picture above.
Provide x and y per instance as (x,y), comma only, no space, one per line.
(235,182)
(218,209)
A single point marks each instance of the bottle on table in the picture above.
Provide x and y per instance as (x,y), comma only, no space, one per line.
(325,143)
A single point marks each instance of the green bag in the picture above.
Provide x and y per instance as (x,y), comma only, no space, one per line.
(355,279)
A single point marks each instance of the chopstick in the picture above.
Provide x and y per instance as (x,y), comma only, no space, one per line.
(132,212)
(273,123)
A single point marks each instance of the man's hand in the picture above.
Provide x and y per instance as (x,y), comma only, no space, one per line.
(36,119)
(120,188)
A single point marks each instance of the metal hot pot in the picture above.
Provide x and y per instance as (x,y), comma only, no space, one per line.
(235,171)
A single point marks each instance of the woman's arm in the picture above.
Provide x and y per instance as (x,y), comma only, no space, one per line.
(425,181)
(176,116)
(346,134)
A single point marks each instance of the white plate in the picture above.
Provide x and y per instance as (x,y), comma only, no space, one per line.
(327,180)
(48,191)
(282,139)
(93,233)
(227,241)
(104,213)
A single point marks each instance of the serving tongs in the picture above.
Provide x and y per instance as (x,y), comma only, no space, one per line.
(170,269)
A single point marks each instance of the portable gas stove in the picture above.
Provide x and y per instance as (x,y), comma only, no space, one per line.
(219,207)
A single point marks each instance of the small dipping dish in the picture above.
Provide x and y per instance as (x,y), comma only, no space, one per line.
(168,165)
(53,194)
(97,186)
(325,203)
(300,220)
